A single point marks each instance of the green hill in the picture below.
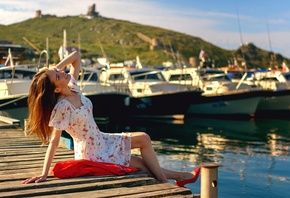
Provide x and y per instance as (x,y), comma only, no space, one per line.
(123,40)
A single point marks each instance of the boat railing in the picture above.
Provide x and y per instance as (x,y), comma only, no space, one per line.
(185,78)
(181,76)
(12,101)
(242,80)
(83,76)
(130,84)
(88,75)
(117,78)
(146,80)
(271,81)
(146,76)
(8,85)
(140,83)
(39,59)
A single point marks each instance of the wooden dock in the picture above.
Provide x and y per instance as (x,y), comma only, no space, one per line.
(22,157)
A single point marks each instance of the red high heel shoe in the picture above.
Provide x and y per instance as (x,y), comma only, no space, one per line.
(184,182)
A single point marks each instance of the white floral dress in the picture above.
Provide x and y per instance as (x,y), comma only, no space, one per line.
(89,142)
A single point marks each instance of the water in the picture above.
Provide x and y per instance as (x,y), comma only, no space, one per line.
(253,155)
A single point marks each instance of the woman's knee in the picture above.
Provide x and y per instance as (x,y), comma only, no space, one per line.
(145,138)
(140,138)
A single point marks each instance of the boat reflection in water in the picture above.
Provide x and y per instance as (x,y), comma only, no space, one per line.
(191,131)
(278,135)
(195,135)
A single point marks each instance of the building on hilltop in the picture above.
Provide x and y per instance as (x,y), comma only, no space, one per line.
(91,12)
(38,14)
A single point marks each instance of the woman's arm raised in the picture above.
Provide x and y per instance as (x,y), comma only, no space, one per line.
(73,59)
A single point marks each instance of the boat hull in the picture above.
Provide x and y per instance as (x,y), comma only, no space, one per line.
(105,105)
(108,105)
(13,102)
(275,104)
(19,113)
(167,105)
(236,105)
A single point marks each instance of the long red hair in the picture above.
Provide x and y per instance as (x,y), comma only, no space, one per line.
(41,100)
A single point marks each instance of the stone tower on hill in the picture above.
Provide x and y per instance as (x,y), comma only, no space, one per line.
(92,11)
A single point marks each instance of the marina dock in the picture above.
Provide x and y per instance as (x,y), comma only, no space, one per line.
(22,157)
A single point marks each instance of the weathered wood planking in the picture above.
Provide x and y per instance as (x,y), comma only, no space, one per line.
(22,157)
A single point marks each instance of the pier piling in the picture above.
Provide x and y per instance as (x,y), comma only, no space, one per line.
(209,180)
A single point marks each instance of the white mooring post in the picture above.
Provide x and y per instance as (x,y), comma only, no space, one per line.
(209,180)
(25,127)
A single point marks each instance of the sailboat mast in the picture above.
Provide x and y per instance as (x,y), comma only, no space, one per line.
(64,43)
(269,36)
(242,42)
(79,42)
(240,30)
(272,58)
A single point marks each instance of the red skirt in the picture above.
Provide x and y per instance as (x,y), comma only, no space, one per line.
(78,168)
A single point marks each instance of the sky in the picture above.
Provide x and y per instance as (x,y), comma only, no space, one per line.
(224,23)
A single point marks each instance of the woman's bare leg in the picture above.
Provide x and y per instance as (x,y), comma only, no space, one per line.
(139,163)
(149,161)
(142,140)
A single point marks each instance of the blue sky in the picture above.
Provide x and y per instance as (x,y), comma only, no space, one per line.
(225,23)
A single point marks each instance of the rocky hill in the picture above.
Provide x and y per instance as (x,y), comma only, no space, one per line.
(123,40)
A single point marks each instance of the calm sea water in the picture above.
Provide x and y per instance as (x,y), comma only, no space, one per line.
(253,155)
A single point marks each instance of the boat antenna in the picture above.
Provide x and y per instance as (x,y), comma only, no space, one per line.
(240,30)
(79,42)
(269,35)
(171,49)
(272,60)
(102,49)
(241,38)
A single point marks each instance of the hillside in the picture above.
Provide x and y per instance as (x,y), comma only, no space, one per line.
(122,40)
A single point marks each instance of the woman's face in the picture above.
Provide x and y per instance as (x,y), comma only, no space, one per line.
(58,77)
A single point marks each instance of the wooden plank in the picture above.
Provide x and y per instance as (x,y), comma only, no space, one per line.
(62,186)
(15,152)
(154,190)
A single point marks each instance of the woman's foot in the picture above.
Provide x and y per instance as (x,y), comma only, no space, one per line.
(192,180)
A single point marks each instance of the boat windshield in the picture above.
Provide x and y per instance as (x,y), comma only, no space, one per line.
(287,75)
(147,76)
(217,77)
(178,77)
(88,75)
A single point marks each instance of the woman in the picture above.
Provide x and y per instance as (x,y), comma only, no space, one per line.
(56,103)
